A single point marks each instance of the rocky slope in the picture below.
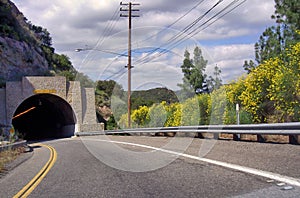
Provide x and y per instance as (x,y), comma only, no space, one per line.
(19,58)
(21,50)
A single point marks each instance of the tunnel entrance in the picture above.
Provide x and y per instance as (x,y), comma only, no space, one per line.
(44,116)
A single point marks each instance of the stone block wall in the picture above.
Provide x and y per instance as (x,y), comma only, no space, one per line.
(3,121)
(55,85)
(14,97)
(88,107)
(74,99)
(82,100)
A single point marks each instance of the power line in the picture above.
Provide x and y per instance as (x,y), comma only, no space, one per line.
(117,74)
(192,33)
(176,21)
(182,32)
(109,27)
(195,32)
(224,14)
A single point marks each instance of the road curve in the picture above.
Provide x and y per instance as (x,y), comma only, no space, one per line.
(78,172)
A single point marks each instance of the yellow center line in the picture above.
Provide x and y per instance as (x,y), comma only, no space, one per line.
(26,190)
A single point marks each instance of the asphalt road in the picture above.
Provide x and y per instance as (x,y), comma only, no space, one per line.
(95,167)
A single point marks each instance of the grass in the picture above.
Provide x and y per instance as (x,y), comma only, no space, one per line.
(8,156)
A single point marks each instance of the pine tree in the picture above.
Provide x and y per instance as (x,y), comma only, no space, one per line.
(186,68)
(215,81)
(275,39)
(193,71)
(198,76)
(249,66)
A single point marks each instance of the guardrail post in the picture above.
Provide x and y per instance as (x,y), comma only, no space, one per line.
(200,135)
(102,126)
(236,137)
(260,138)
(216,136)
(294,139)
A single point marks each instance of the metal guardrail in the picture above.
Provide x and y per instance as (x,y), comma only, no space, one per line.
(13,145)
(291,129)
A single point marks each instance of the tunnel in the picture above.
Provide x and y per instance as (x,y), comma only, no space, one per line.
(44,116)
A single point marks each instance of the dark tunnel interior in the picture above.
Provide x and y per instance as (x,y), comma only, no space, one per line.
(44,116)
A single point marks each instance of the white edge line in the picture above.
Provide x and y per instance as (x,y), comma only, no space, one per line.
(266,174)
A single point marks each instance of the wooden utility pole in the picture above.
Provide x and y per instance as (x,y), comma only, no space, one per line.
(129,14)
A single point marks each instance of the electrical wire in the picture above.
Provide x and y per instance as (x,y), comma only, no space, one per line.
(181,33)
(117,74)
(224,15)
(176,21)
(108,28)
(186,33)
(157,49)
(193,32)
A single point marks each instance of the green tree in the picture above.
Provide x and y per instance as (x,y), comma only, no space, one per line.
(193,71)
(275,39)
(270,44)
(198,69)
(186,69)
(287,14)
(111,124)
(42,34)
(249,66)
(105,90)
(109,87)
(215,82)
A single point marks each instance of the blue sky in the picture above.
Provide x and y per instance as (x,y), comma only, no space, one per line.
(81,24)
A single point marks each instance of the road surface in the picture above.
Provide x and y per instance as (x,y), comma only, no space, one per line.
(95,167)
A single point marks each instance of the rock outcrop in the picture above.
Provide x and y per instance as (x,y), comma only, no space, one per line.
(19,58)
(21,51)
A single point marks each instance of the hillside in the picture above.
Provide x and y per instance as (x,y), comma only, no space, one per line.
(20,51)
(26,49)
(149,97)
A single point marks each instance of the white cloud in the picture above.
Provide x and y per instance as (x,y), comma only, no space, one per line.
(76,24)
(231,52)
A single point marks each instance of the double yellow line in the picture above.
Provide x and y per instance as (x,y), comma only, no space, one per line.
(39,177)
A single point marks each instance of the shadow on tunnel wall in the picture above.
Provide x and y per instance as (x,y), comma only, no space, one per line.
(44,116)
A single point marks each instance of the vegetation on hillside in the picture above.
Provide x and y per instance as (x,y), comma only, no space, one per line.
(14,25)
(270,92)
(195,80)
(110,94)
(275,39)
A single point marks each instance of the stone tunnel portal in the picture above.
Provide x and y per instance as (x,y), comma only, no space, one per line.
(44,116)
